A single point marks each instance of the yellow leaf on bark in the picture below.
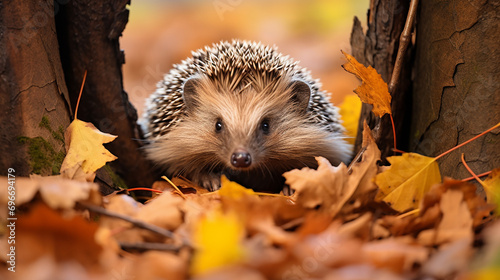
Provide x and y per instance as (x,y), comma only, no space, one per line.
(217,238)
(492,188)
(409,177)
(349,112)
(373,89)
(85,150)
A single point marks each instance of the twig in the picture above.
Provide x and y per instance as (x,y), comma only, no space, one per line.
(478,175)
(468,141)
(356,159)
(404,42)
(137,223)
(470,171)
(144,246)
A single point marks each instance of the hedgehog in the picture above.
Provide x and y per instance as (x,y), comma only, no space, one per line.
(243,110)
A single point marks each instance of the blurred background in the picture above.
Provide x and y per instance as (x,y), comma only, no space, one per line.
(161,33)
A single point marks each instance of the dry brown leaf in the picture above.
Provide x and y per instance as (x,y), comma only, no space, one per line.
(331,187)
(157,265)
(373,89)
(449,259)
(56,191)
(456,222)
(123,231)
(44,232)
(323,188)
(397,254)
(164,211)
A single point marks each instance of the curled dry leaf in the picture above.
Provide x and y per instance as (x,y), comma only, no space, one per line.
(331,187)
(373,89)
(56,191)
(85,152)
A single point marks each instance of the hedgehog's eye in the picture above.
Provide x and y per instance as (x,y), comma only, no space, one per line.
(218,126)
(264,125)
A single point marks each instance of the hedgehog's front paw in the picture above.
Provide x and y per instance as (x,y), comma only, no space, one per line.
(210,181)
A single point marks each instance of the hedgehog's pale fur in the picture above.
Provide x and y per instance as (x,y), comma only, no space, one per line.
(240,83)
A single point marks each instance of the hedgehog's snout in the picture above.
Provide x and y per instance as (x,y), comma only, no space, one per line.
(241,158)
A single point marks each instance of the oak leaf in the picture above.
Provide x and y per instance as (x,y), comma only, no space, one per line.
(373,89)
(409,177)
(85,151)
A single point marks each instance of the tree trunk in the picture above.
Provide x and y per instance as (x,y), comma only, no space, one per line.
(88,32)
(455,74)
(456,92)
(45,48)
(33,95)
(378,48)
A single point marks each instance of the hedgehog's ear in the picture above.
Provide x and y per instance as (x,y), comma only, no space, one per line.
(189,92)
(301,93)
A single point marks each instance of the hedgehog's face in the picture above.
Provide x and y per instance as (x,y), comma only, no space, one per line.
(249,128)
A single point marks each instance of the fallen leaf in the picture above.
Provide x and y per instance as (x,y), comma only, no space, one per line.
(330,188)
(164,211)
(449,260)
(217,238)
(456,222)
(45,232)
(85,151)
(409,177)
(56,191)
(349,111)
(492,188)
(373,89)
(230,189)
(323,188)
(397,254)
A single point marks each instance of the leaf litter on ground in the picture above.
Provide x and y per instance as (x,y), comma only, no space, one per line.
(340,223)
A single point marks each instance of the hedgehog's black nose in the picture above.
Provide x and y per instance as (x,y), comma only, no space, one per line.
(241,158)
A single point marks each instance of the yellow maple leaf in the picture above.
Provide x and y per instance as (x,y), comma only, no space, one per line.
(233,190)
(409,177)
(217,238)
(373,90)
(349,111)
(492,188)
(85,150)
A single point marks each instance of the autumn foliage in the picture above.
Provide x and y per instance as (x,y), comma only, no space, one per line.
(362,221)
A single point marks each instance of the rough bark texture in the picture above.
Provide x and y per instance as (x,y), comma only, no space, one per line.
(88,32)
(378,48)
(456,89)
(32,89)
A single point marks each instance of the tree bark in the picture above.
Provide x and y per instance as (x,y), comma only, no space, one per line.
(45,48)
(456,92)
(33,94)
(378,48)
(455,74)
(88,32)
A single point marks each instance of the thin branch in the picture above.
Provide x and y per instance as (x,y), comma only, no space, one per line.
(145,246)
(478,175)
(356,159)
(468,141)
(80,95)
(404,42)
(137,223)
(470,170)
